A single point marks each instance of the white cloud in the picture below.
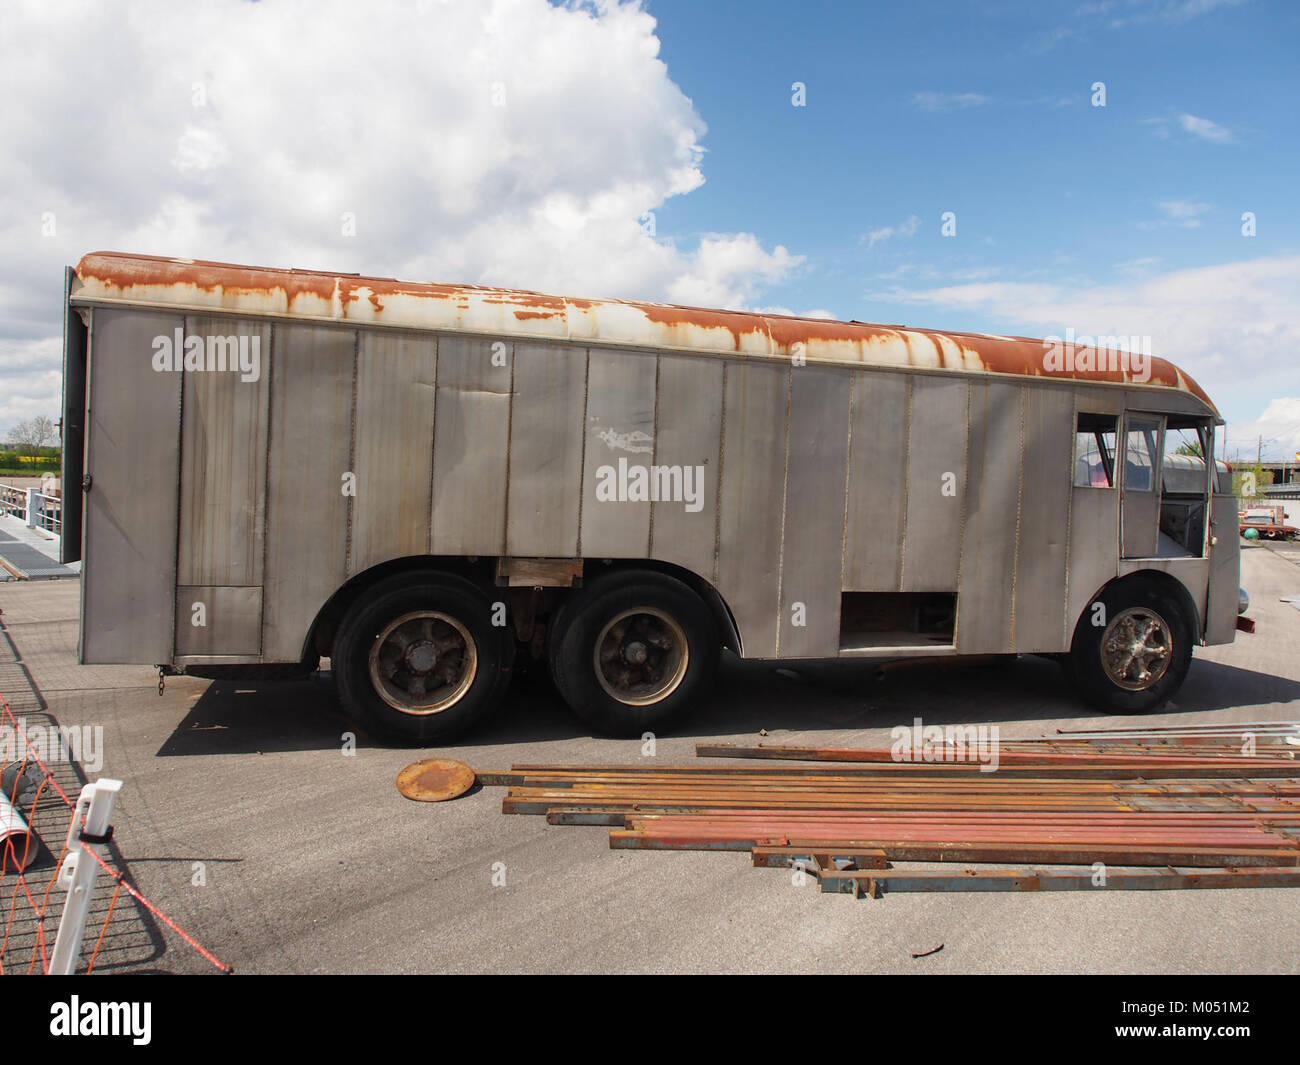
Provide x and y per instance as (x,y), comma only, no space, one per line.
(493,141)
(1234,327)
(948,101)
(906,228)
(1183,213)
(1275,434)
(1205,129)
(819,312)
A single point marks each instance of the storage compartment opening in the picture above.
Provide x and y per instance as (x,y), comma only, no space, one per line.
(897,619)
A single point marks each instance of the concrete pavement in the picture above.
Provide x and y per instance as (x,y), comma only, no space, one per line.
(245,820)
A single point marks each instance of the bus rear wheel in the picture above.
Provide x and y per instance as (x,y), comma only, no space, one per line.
(632,653)
(418,659)
(1132,647)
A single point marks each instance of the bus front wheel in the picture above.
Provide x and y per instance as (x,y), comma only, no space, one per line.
(1132,647)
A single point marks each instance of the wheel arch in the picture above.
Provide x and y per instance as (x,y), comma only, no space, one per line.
(481,571)
(320,636)
(722,615)
(1162,579)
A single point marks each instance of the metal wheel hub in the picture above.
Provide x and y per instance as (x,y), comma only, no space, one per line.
(641,656)
(1136,648)
(423,662)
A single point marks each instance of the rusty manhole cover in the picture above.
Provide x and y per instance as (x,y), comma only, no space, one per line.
(435,780)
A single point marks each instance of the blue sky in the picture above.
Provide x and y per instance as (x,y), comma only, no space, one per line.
(522,142)
(984,109)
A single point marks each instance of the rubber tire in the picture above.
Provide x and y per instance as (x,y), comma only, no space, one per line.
(1083,664)
(580,621)
(399,595)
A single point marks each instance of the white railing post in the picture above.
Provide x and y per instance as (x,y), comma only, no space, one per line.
(77,873)
(33,506)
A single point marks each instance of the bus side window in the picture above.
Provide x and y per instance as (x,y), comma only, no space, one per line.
(1094,451)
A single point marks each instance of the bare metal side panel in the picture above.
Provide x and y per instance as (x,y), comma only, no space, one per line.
(620,426)
(813,551)
(1094,548)
(392,448)
(936,478)
(753,490)
(471,445)
(306,510)
(985,600)
(231,621)
(877,486)
(688,433)
(1225,572)
(133,434)
(546,419)
(1098,400)
(223,463)
(1044,520)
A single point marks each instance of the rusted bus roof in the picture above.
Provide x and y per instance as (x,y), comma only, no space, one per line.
(513,313)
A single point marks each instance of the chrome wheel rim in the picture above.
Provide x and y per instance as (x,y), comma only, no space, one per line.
(423,662)
(641,656)
(1136,648)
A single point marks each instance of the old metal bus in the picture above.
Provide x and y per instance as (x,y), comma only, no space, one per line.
(424,481)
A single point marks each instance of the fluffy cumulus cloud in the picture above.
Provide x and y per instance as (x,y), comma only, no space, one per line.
(1234,327)
(506,142)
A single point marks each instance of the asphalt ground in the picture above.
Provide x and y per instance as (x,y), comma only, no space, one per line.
(244,820)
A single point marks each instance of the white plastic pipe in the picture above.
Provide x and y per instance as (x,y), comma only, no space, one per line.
(17,844)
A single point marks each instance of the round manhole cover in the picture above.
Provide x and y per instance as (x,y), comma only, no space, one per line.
(435,780)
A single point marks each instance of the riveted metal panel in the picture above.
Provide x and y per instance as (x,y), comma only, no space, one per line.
(688,433)
(133,460)
(393,448)
(877,486)
(231,621)
(753,490)
(306,511)
(223,457)
(620,426)
(471,439)
(813,549)
(936,485)
(546,420)
(1044,520)
(985,593)
(1093,558)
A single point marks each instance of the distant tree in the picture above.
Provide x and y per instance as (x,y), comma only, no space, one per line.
(1248,481)
(1193,449)
(30,437)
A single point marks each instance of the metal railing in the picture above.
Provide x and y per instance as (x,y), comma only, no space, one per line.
(38,509)
(13,501)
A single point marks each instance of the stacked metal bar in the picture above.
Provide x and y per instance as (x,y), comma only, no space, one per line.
(1126,809)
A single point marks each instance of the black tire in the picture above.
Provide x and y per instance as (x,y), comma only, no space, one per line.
(1149,616)
(450,643)
(622,616)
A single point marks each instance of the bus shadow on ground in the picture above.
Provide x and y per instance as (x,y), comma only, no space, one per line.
(750,697)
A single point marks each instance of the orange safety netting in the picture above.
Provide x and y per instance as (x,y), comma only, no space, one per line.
(32,905)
